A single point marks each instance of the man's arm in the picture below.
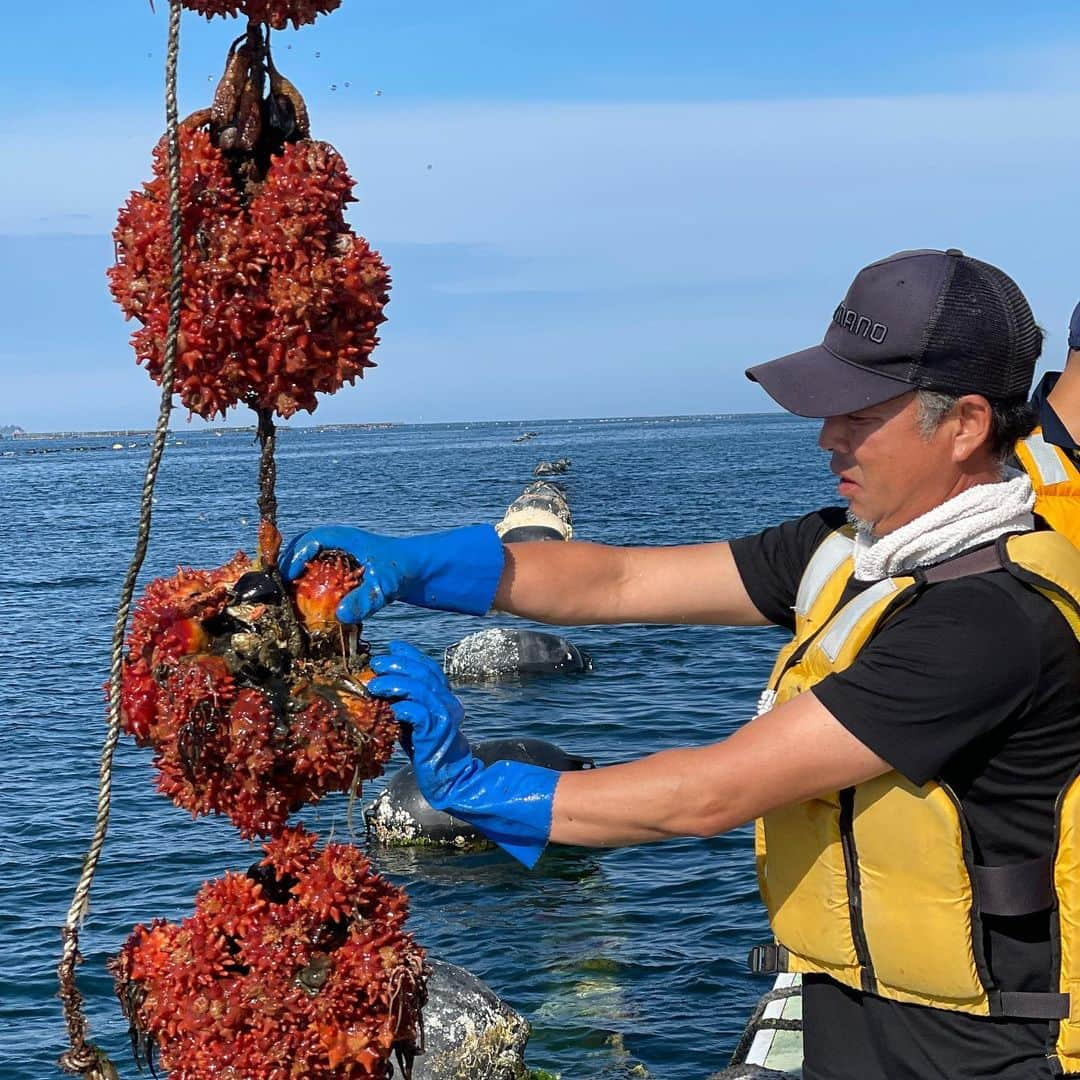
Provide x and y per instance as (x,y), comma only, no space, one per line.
(575,583)
(932,683)
(470,570)
(788,755)
(791,754)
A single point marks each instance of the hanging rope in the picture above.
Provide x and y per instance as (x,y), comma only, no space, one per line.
(83,1058)
(267,466)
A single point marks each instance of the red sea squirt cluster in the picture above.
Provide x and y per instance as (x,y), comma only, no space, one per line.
(281,298)
(276,13)
(249,691)
(299,969)
(245,719)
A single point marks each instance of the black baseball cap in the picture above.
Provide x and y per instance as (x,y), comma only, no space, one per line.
(932,320)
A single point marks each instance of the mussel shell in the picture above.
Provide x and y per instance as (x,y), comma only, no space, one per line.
(257,587)
(275,889)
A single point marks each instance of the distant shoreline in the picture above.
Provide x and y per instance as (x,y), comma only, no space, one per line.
(386,425)
(129,433)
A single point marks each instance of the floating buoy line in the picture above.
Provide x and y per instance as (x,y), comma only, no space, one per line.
(249,287)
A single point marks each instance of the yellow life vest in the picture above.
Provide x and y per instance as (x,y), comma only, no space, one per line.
(876,885)
(1056,480)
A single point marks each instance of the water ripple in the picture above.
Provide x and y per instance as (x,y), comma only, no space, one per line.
(622,960)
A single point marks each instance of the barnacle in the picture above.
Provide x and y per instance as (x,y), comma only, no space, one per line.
(246,718)
(276,13)
(301,967)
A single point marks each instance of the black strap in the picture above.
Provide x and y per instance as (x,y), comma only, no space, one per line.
(980,561)
(1029,1006)
(1023,1005)
(767,959)
(1016,888)
(1019,888)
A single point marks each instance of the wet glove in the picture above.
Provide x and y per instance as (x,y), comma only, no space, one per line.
(508,801)
(457,570)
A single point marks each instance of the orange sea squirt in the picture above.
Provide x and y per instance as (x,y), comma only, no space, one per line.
(320,588)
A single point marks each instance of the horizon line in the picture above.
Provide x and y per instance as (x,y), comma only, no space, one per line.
(210,426)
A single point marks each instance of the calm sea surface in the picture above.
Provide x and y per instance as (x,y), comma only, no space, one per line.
(628,963)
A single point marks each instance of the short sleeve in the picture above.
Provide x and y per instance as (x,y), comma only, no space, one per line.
(771,562)
(938,678)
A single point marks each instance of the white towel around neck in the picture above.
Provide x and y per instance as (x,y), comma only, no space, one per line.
(975,516)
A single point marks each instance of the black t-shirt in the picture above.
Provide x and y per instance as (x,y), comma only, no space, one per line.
(975,683)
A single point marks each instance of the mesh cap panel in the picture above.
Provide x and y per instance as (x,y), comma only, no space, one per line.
(938,320)
(982,338)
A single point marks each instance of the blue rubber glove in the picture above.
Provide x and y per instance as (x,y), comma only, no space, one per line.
(508,801)
(1074,328)
(457,570)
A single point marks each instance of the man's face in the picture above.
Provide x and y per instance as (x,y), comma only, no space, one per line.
(889,473)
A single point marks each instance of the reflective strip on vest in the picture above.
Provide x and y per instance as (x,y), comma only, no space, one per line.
(1047,460)
(833,640)
(830,553)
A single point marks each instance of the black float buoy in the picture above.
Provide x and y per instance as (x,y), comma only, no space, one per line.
(540,512)
(498,651)
(470,1033)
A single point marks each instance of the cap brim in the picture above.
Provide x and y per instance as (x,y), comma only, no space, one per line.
(816,382)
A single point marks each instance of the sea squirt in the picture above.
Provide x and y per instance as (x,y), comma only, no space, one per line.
(251,695)
(281,298)
(301,967)
(276,13)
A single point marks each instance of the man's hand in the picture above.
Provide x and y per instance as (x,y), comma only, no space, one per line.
(508,801)
(457,570)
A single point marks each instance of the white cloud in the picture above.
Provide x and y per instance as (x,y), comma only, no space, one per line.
(649,211)
(726,183)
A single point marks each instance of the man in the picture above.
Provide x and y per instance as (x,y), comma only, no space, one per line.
(1051,454)
(906,758)
(1057,397)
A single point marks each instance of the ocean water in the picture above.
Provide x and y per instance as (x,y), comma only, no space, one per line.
(628,963)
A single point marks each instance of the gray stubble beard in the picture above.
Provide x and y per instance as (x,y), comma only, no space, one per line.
(864,528)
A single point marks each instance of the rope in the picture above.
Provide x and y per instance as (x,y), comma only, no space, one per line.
(267,466)
(82,1057)
(759,1022)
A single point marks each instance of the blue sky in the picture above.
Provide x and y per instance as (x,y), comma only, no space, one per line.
(626,204)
